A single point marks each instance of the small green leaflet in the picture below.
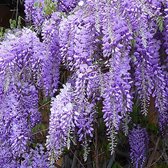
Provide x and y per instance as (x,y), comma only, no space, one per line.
(160,22)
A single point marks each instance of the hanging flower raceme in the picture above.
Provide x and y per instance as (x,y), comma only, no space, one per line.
(143,76)
(143,66)
(51,64)
(61,122)
(66,37)
(138,141)
(117,82)
(84,42)
(21,57)
(137,14)
(149,77)
(84,104)
(19,115)
(84,122)
(78,44)
(159,79)
(34,10)
(165,30)
(25,117)
(77,38)
(116,93)
(115,31)
(10,127)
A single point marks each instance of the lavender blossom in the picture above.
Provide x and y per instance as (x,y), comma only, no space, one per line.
(84,115)
(84,104)
(36,158)
(77,39)
(19,69)
(114,35)
(138,141)
(67,5)
(34,10)
(50,68)
(21,55)
(143,79)
(149,77)
(116,93)
(165,32)
(61,122)
(160,92)
(19,115)
(84,122)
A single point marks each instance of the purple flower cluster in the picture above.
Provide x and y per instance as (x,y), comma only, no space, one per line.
(21,57)
(84,122)
(77,39)
(61,122)
(116,93)
(106,46)
(34,10)
(37,11)
(98,35)
(67,5)
(143,72)
(50,69)
(32,158)
(150,78)
(114,35)
(165,32)
(35,158)
(138,141)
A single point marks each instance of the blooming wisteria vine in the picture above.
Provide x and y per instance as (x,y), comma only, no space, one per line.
(112,54)
(138,140)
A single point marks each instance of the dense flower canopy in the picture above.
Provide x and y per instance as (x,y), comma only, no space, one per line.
(112,52)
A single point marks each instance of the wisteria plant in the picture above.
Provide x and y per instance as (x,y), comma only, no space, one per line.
(101,66)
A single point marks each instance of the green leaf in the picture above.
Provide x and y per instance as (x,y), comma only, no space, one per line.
(36,4)
(153,128)
(133,41)
(1,32)
(116,165)
(38,128)
(160,22)
(162,165)
(49,7)
(19,22)
(12,23)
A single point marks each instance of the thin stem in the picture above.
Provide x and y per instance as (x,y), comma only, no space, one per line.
(96,147)
(153,154)
(74,162)
(77,158)
(17,6)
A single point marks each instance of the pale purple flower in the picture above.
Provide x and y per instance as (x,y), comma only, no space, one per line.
(61,122)
(138,141)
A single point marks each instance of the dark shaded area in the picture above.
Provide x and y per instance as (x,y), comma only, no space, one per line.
(10,9)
